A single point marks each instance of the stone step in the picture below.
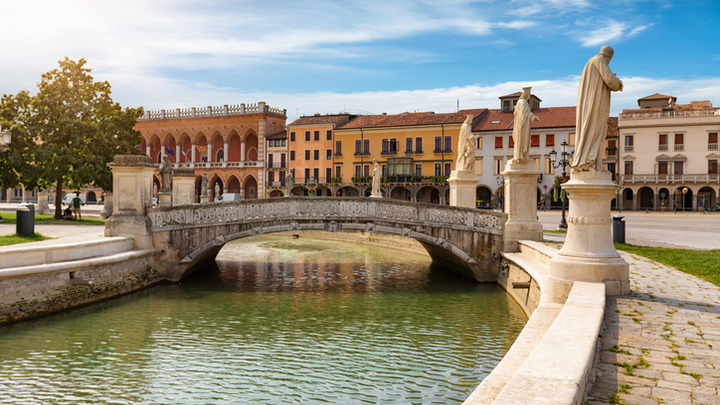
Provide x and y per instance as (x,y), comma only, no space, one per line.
(539,250)
(62,250)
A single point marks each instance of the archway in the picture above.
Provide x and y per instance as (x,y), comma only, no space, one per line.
(156,186)
(185,149)
(155,149)
(170,148)
(683,198)
(91,197)
(217,148)
(201,144)
(250,187)
(627,199)
(647,198)
(276,193)
(428,194)
(400,193)
(216,189)
(483,197)
(665,199)
(348,191)
(234,148)
(706,199)
(233,185)
(251,147)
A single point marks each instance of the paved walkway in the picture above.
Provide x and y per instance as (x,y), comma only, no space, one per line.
(661,343)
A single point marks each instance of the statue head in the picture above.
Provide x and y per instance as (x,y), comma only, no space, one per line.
(607,52)
(526,93)
(468,119)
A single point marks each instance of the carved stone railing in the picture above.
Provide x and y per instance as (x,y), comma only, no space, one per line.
(213,111)
(324,208)
(670,178)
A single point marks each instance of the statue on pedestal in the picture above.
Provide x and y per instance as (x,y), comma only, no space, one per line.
(466,147)
(521,126)
(376,174)
(204,185)
(288,183)
(593,110)
(165,175)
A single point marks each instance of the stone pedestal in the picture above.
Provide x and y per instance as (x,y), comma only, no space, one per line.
(521,204)
(588,253)
(132,185)
(107,208)
(204,199)
(183,181)
(462,189)
(42,207)
(165,198)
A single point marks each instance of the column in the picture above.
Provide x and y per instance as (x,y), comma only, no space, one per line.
(147,150)
(192,154)
(225,152)
(178,151)
(636,202)
(242,151)
(694,198)
(162,152)
(209,152)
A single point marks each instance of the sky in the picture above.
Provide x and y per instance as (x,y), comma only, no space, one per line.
(369,56)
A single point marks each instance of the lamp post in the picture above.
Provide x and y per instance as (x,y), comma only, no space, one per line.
(564,162)
(500,180)
(5,138)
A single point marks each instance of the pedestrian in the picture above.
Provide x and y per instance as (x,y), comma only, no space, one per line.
(67,214)
(76,206)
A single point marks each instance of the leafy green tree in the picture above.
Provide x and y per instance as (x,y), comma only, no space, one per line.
(67,132)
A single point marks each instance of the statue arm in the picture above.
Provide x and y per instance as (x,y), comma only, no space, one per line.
(609,77)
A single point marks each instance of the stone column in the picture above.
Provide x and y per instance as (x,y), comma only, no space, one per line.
(183,186)
(192,155)
(162,152)
(147,150)
(107,205)
(521,204)
(209,152)
(178,150)
(225,152)
(242,151)
(588,253)
(132,184)
(42,203)
(462,189)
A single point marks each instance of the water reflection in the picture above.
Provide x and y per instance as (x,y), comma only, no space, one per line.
(278,320)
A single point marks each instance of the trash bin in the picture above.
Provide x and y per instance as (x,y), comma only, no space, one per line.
(618,228)
(25,224)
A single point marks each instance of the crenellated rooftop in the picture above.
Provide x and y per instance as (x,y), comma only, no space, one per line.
(210,111)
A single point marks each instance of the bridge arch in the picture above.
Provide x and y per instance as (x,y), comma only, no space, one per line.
(464,240)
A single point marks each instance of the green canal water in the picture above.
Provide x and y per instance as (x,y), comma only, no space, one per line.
(276,321)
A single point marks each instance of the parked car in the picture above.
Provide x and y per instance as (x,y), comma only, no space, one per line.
(229,197)
(67,200)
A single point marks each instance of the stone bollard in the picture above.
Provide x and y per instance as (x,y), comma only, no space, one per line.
(42,203)
(183,181)
(520,204)
(132,187)
(107,208)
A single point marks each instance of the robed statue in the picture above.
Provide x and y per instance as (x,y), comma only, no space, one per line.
(165,175)
(376,174)
(466,147)
(593,110)
(204,184)
(521,126)
(288,183)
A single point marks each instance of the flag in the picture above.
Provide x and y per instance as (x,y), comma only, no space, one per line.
(202,148)
(170,152)
(183,153)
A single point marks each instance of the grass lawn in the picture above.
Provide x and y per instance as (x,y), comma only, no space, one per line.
(15,239)
(701,263)
(11,218)
(554,231)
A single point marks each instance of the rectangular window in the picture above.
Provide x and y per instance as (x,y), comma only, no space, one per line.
(328,175)
(478,166)
(316,175)
(712,141)
(511,142)
(712,166)
(549,169)
(271,177)
(628,167)
(282,160)
(418,170)
(307,136)
(499,142)
(366,170)
(328,135)
(282,143)
(447,170)
(534,141)
(437,169)
(366,146)
(292,136)
(384,146)
(479,143)
(662,167)
(611,147)
(550,140)
(338,148)
(328,154)
(629,143)
(571,139)
(316,154)
(357,170)
(307,176)
(408,145)
(292,155)
(338,171)
(497,165)
(678,167)
(662,142)
(448,144)
(358,146)
(393,145)
(418,145)
(679,142)
(316,135)
(437,146)
(307,154)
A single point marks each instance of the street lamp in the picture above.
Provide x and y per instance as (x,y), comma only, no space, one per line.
(564,162)
(5,137)
(500,180)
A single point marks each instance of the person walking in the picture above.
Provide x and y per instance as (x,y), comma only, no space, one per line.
(77,215)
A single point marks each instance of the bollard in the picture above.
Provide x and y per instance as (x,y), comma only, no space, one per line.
(25,224)
(618,228)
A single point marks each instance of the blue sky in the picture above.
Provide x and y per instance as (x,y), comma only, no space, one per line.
(372,55)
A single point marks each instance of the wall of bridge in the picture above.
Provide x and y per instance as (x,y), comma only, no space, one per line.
(462,239)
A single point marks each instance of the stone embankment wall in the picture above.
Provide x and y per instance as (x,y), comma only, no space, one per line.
(366,238)
(34,291)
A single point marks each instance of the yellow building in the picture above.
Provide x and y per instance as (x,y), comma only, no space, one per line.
(416,152)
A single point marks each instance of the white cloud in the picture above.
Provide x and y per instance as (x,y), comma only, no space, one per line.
(614,31)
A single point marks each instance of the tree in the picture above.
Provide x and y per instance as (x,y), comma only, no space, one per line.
(67,132)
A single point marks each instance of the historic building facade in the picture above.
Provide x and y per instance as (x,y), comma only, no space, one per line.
(416,152)
(669,155)
(275,164)
(227,143)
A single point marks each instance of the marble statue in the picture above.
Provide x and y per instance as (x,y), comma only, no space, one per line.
(217,191)
(593,110)
(288,183)
(204,184)
(521,126)
(165,175)
(376,174)
(466,147)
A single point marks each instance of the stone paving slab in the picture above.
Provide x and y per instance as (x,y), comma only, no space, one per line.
(661,343)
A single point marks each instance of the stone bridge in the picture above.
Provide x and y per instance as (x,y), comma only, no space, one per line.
(465,240)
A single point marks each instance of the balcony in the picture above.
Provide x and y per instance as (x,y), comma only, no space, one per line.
(679,147)
(362,153)
(275,184)
(442,151)
(662,148)
(388,153)
(712,146)
(669,114)
(217,165)
(629,148)
(276,165)
(670,178)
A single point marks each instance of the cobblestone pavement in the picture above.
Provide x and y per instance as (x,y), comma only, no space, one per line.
(660,343)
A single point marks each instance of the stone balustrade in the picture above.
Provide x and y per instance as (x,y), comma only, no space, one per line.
(213,111)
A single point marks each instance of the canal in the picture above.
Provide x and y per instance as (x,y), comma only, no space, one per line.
(276,320)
